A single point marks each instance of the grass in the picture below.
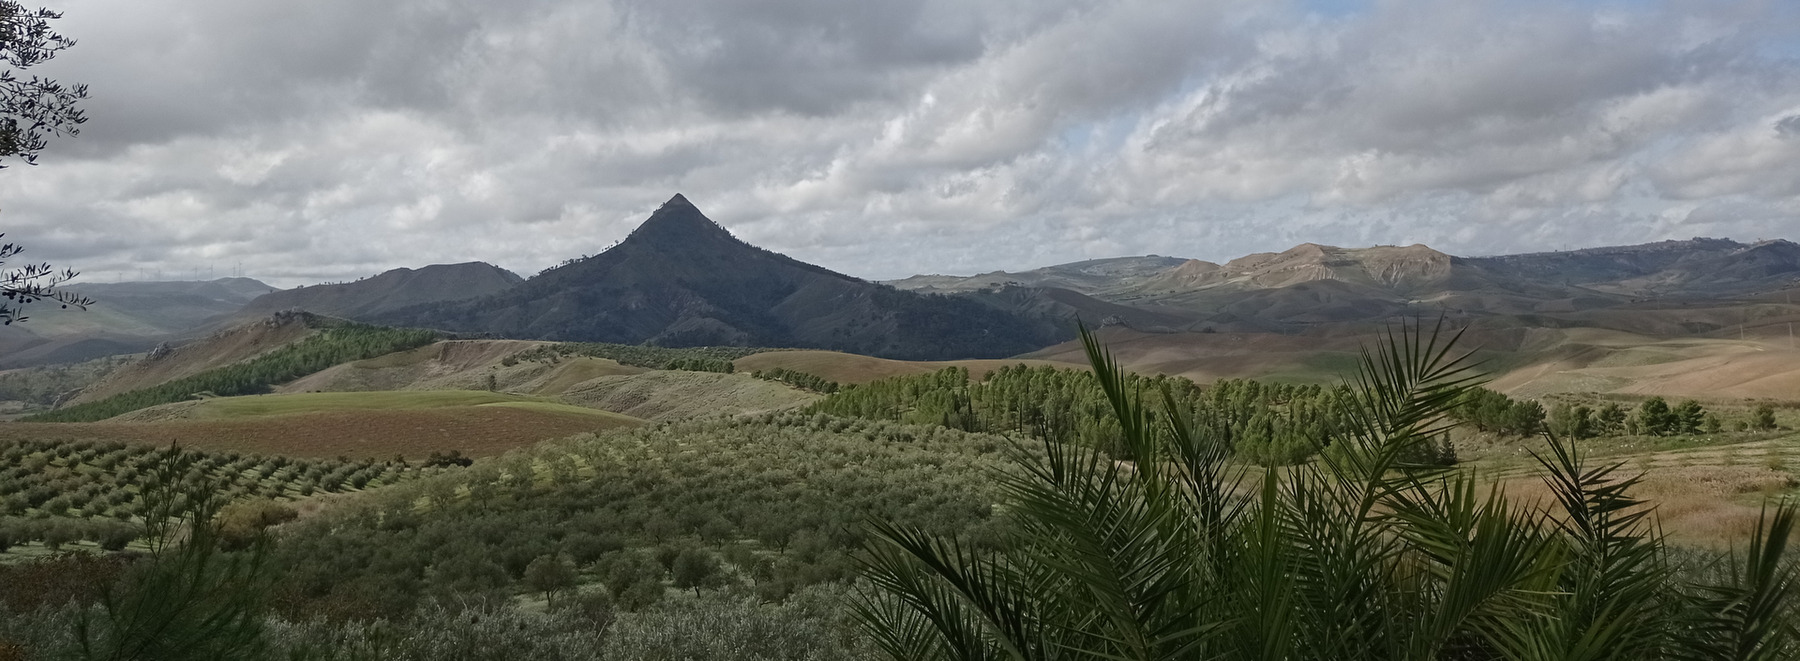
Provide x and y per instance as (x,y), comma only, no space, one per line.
(1325,368)
(555,407)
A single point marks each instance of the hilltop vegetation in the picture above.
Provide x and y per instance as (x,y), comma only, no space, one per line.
(389,291)
(330,346)
(701,359)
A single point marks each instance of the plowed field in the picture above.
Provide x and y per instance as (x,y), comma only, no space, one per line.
(476,431)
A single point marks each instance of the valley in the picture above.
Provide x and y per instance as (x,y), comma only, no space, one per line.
(900,331)
(686,425)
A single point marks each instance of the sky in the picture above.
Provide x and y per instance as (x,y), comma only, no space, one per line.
(326,140)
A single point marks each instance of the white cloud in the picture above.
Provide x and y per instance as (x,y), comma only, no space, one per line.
(332,139)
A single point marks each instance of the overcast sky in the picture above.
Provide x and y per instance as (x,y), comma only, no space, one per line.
(325,140)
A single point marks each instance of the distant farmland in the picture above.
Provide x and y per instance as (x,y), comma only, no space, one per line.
(375,425)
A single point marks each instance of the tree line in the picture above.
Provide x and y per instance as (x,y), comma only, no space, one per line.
(797,379)
(325,348)
(1652,417)
(1268,423)
(704,359)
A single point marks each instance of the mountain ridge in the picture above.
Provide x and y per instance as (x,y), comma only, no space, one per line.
(681,279)
(388,291)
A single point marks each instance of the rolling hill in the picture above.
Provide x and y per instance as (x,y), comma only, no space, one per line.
(233,345)
(126,317)
(1089,277)
(1668,288)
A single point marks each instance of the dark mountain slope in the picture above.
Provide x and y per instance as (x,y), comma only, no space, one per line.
(682,280)
(390,291)
(1696,267)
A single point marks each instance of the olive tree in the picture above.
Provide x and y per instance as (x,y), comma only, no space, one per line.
(33,108)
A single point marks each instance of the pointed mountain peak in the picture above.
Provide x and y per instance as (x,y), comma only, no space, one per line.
(678,221)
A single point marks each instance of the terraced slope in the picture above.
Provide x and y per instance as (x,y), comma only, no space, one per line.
(664,395)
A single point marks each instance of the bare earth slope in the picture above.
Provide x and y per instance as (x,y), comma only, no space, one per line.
(461,365)
(672,395)
(594,383)
(1696,368)
(222,348)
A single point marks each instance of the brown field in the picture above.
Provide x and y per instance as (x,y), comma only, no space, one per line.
(853,368)
(1207,357)
(1707,496)
(476,431)
(1699,368)
(1523,362)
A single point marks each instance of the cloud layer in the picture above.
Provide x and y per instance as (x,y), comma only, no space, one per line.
(331,139)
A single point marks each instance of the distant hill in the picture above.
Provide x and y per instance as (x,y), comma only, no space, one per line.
(126,317)
(1696,267)
(1090,277)
(1313,286)
(682,280)
(393,290)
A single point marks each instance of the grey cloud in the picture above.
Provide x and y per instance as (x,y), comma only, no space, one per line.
(332,139)
(1788,126)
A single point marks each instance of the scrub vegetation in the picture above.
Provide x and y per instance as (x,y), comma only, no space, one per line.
(338,343)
